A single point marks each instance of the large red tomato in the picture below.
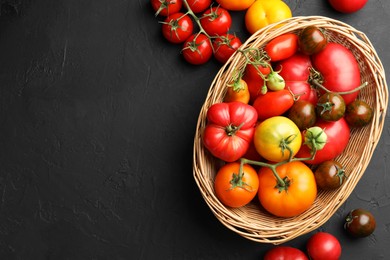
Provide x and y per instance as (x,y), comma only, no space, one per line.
(347,6)
(296,71)
(338,134)
(229,130)
(339,69)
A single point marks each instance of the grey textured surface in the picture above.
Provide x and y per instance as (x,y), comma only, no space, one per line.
(98,115)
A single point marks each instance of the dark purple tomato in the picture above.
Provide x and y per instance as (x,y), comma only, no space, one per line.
(330,106)
(311,40)
(358,113)
(329,175)
(303,114)
(360,223)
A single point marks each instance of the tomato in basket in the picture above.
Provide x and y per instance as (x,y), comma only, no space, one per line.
(229,130)
(282,47)
(290,195)
(235,189)
(273,103)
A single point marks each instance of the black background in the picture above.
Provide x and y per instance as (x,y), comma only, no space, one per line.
(97,119)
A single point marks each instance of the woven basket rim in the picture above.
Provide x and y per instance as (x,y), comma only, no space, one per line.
(250,221)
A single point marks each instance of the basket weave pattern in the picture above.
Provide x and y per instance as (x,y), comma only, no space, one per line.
(252,221)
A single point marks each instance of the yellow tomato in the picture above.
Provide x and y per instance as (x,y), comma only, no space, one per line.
(277,138)
(236,5)
(264,12)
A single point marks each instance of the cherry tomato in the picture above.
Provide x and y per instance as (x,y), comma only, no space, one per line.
(360,223)
(273,103)
(297,195)
(329,175)
(216,21)
(234,189)
(303,114)
(311,40)
(238,91)
(295,72)
(264,12)
(339,69)
(347,6)
(358,113)
(166,7)
(277,139)
(235,5)
(229,130)
(177,27)
(254,76)
(282,47)
(337,133)
(197,49)
(198,6)
(285,253)
(323,246)
(224,47)
(330,106)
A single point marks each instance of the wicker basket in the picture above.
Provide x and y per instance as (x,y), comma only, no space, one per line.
(251,221)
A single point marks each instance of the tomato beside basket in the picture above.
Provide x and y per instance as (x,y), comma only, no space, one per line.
(252,221)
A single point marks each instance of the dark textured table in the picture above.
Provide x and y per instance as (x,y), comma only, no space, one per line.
(98,116)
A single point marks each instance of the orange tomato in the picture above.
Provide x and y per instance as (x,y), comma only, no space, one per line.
(235,5)
(234,190)
(296,197)
(238,91)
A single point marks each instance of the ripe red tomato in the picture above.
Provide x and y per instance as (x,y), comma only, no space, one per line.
(339,69)
(253,76)
(337,132)
(166,7)
(216,21)
(197,49)
(224,46)
(234,189)
(235,5)
(323,246)
(282,47)
(296,197)
(273,103)
(347,6)
(177,27)
(198,6)
(229,130)
(285,253)
(295,72)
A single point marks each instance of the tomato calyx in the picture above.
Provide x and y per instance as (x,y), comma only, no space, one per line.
(237,182)
(164,5)
(340,174)
(193,45)
(232,129)
(212,15)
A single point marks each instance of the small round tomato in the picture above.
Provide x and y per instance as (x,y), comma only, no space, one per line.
(177,27)
(273,103)
(197,49)
(294,195)
(224,47)
(358,113)
(235,189)
(277,139)
(166,7)
(235,5)
(238,91)
(330,106)
(216,21)
(311,40)
(360,223)
(285,253)
(198,6)
(264,12)
(303,114)
(282,46)
(323,246)
(347,6)
(329,175)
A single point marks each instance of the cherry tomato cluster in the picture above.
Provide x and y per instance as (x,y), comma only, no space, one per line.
(286,115)
(200,26)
